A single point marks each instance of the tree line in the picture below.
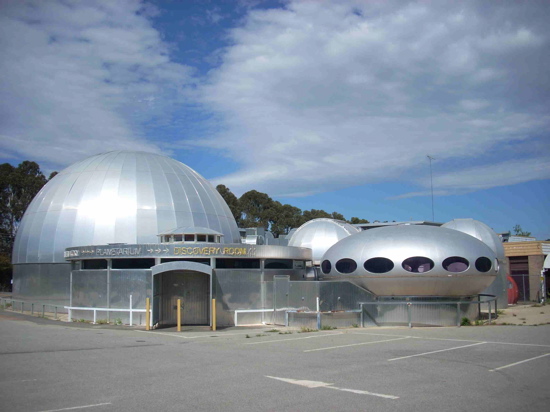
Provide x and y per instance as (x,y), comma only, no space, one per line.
(257,209)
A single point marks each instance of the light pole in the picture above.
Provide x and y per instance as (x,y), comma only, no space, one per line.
(430,158)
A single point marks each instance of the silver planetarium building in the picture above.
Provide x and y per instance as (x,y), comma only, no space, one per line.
(114,229)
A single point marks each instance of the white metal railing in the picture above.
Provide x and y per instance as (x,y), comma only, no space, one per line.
(131,310)
(237,311)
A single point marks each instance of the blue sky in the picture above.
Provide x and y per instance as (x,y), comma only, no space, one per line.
(321,104)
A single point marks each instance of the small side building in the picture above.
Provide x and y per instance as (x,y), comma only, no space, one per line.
(526,265)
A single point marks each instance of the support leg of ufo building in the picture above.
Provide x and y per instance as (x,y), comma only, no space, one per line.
(117,228)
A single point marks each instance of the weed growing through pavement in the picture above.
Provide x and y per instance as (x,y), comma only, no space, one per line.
(328,327)
(304,329)
(272,330)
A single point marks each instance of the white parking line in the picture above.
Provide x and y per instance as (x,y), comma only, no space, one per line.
(79,407)
(458,340)
(287,340)
(437,351)
(356,344)
(518,363)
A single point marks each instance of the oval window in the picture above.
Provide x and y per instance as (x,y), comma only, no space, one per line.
(346,265)
(418,264)
(326,266)
(483,264)
(455,264)
(378,265)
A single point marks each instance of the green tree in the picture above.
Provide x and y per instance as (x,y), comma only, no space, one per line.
(18,186)
(257,208)
(284,218)
(314,214)
(357,221)
(518,231)
(5,272)
(231,201)
(338,216)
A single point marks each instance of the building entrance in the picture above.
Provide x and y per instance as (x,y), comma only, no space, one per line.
(192,287)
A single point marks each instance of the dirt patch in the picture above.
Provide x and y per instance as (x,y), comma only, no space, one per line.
(533,314)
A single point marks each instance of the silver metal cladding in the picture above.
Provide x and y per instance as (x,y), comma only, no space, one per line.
(481,231)
(409,260)
(118,197)
(320,234)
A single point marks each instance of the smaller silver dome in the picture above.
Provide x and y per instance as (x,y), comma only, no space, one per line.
(320,234)
(480,231)
(412,260)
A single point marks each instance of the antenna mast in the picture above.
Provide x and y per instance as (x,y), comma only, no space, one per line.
(430,158)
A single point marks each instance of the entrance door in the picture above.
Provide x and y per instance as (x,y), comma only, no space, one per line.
(193,288)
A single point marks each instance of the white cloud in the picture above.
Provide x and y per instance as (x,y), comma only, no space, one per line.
(327,94)
(80,78)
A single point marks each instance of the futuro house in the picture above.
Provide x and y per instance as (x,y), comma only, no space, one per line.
(114,229)
(412,260)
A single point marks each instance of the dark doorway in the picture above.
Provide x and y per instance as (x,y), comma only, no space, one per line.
(193,288)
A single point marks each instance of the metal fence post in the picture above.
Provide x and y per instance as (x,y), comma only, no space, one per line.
(22,304)
(457,314)
(147,313)
(43,310)
(55,312)
(131,314)
(318,320)
(489,305)
(409,314)
(32,308)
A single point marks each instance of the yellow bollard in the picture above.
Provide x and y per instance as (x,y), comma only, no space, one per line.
(147,313)
(179,315)
(213,314)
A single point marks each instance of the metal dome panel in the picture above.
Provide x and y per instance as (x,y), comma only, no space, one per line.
(118,197)
(481,231)
(320,234)
(400,244)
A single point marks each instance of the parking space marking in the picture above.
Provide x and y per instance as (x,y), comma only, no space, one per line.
(288,340)
(356,344)
(437,351)
(78,407)
(518,363)
(317,384)
(458,340)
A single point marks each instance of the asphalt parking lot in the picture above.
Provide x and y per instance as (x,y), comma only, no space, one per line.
(53,366)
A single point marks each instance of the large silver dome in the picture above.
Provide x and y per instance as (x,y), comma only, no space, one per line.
(412,260)
(118,197)
(487,235)
(320,234)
